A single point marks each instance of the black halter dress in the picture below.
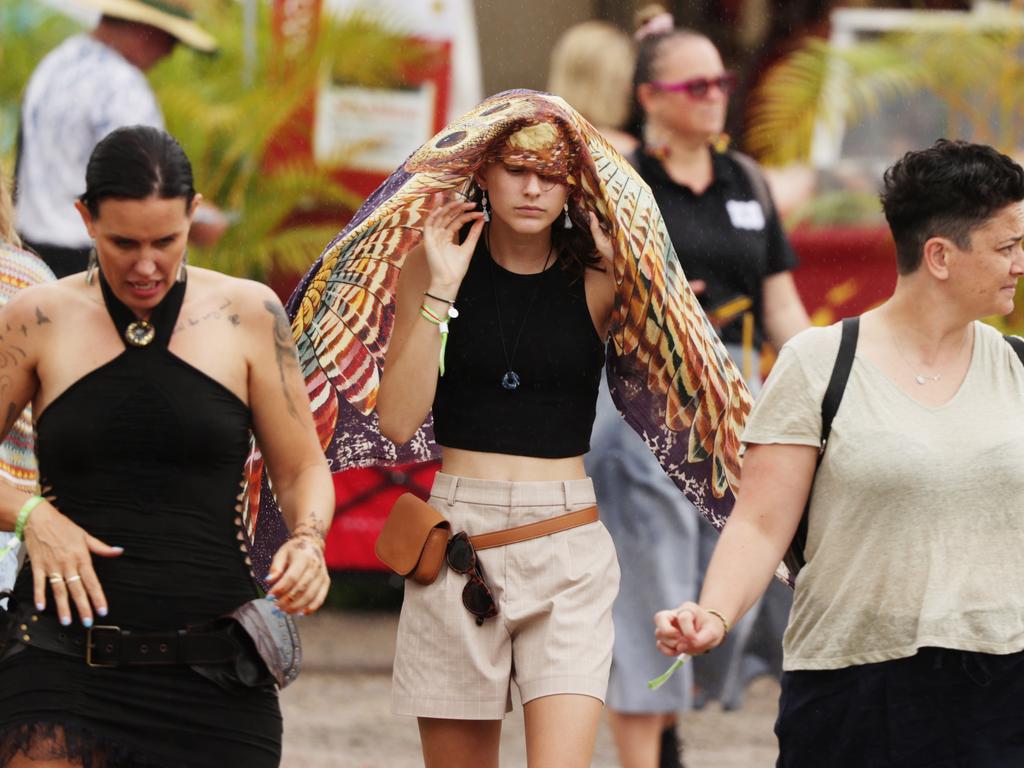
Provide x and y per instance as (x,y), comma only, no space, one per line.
(145,452)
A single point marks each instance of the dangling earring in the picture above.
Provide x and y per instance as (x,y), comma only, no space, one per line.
(655,144)
(567,224)
(181,267)
(94,263)
(483,204)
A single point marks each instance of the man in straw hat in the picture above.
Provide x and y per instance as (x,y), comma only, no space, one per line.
(82,90)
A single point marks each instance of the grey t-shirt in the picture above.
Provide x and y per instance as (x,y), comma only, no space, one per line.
(916,534)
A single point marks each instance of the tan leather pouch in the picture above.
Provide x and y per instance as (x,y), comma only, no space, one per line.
(413,540)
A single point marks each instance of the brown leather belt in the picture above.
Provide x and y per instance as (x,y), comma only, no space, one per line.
(534,530)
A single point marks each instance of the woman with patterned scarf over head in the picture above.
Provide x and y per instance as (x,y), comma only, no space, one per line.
(464,312)
(18,269)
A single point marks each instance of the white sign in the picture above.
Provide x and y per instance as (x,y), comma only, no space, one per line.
(372,129)
(451,21)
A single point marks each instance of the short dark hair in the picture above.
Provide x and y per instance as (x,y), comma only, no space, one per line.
(134,163)
(947,190)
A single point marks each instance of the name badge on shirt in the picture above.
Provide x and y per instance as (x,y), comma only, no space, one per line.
(745,214)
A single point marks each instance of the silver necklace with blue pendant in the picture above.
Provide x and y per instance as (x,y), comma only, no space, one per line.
(511,380)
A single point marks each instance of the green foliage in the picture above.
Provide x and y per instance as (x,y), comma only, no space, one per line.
(227,114)
(228,111)
(976,71)
(27,32)
(838,208)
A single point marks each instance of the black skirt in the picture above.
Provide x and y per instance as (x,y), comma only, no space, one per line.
(937,709)
(158,717)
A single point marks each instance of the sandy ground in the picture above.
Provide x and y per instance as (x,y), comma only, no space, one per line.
(338,714)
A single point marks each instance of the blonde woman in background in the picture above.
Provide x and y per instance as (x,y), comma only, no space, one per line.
(592,68)
(18,269)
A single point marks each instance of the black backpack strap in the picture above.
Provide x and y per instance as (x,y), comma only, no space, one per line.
(1018,346)
(840,375)
(829,407)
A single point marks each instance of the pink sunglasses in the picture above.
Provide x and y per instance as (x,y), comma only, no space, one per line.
(700,87)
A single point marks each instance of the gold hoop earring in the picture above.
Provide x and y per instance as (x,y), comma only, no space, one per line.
(93,265)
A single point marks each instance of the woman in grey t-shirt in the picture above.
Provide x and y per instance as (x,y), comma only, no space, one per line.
(904,647)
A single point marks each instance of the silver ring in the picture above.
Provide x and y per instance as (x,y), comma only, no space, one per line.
(56,578)
(71,579)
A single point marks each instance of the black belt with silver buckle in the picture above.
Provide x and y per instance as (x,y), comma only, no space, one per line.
(106,645)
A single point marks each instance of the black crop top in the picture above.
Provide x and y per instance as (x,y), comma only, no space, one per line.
(558,359)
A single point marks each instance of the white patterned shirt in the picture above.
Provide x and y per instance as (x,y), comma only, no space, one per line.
(18,469)
(80,92)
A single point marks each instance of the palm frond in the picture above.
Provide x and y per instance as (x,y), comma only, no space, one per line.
(229,118)
(976,74)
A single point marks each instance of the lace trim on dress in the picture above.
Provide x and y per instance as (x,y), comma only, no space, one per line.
(79,745)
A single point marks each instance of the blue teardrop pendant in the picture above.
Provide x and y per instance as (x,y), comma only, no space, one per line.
(510,380)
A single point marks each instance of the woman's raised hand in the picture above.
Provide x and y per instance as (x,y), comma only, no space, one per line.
(447,259)
(60,553)
(687,629)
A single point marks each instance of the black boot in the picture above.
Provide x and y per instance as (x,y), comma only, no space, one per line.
(671,749)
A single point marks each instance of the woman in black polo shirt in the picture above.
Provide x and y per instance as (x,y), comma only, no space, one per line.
(734,253)
(719,215)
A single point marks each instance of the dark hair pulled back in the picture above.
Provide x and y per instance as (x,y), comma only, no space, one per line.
(947,190)
(134,163)
(648,51)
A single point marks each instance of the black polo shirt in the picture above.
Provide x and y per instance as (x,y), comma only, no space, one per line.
(722,236)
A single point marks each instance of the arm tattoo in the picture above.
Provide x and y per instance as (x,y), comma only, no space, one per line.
(313,527)
(311,534)
(9,355)
(284,348)
(41,319)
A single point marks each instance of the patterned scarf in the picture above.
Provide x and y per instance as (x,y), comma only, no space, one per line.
(669,374)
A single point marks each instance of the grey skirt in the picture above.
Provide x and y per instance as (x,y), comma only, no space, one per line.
(664,546)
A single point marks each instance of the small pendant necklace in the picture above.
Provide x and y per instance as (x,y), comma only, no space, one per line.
(511,380)
(923,378)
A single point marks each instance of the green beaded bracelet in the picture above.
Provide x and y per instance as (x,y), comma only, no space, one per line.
(20,523)
(23,514)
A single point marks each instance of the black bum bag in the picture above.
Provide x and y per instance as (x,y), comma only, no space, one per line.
(252,647)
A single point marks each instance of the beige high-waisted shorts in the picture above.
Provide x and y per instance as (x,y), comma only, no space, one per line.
(553,633)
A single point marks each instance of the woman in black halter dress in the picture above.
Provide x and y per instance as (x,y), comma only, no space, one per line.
(147,379)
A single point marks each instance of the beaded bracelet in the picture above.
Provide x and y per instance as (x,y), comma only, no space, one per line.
(442,326)
(20,523)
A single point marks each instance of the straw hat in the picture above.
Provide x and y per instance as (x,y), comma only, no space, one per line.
(172,16)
